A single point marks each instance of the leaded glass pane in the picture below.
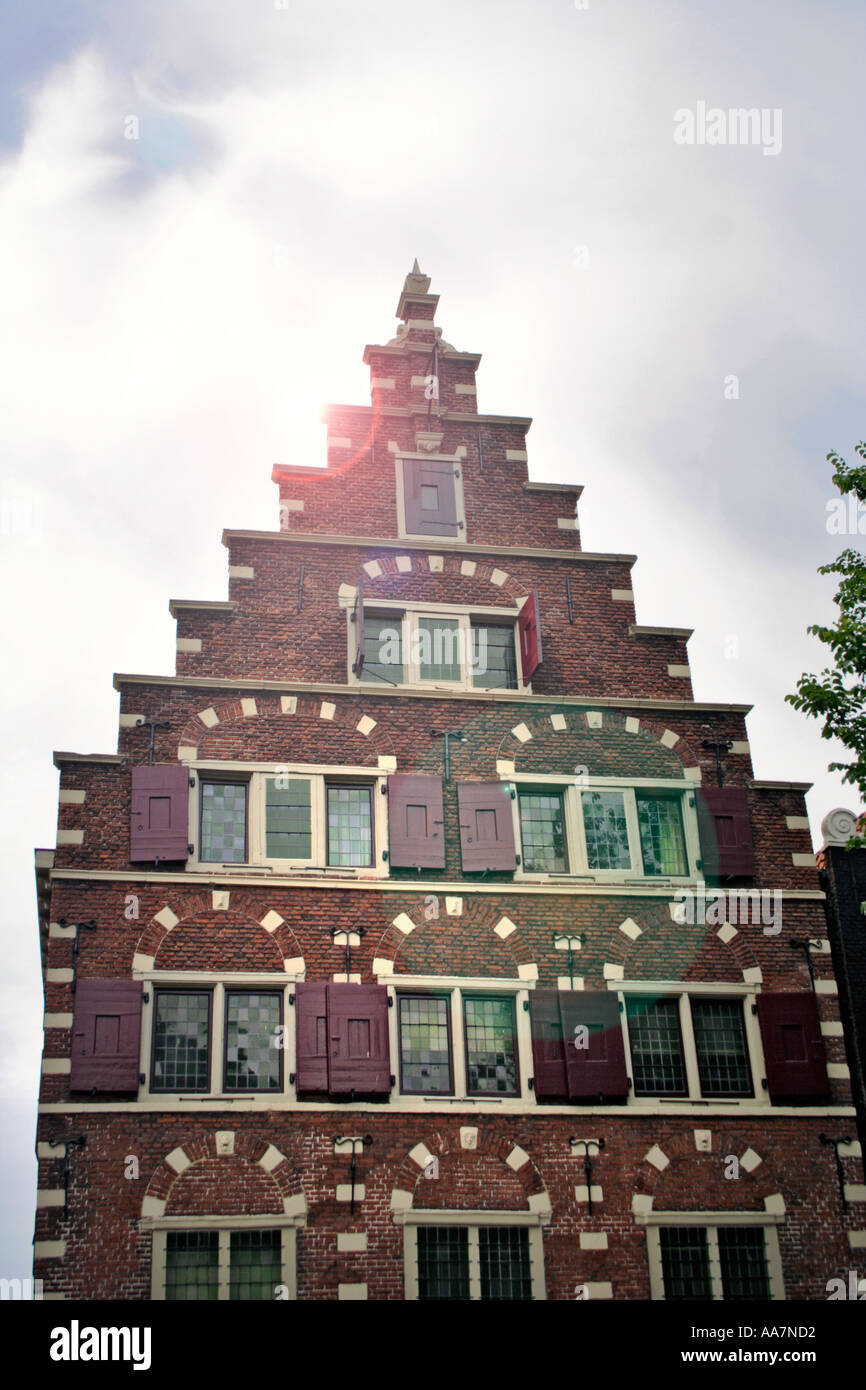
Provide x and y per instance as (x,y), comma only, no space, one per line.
(252,1055)
(425,1052)
(180,1041)
(192,1265)
(383,649)
(685,1263)
(224,822)
(505,1264)
(443,1262)
(255,1266)
(720,1038)
(494,665)
(662,841)
(743,1258)
(350,826)
(438,645)
(288,818)
(491,1057)
(656,1049)
(542,833)
(606,831)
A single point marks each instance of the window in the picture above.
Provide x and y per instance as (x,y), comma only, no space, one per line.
(449,647)
(734,1258)
(472,1256)
(232,1259)
(716,1060)
(193,1027)
(485,1027)
(610,830)
(430,497)
(291,818)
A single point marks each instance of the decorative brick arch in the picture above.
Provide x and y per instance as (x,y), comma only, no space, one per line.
(227,1145)
(517,742)
(342,715)
(391,566)
(474,1140)
(236,902)
(625,947)
(677,1161)
(490,933)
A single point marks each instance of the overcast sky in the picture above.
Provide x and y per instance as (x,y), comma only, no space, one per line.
(683,321)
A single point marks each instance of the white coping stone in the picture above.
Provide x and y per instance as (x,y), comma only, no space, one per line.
(567,523)
(775,1204)
(753,975)
(351,1242)
(209,716)
(327,710)
(44,1150)
(803,861)
(166,918)
(220,900)
(49,1249)
(522,732)
(540,1202)
(826,987)
(344,1191)
(393,447)
(622,595)
(383,383)
(373,568)
(657,1157)
(348,1293)
(594,718)
(852,1150)
(527,972)
(454,907)
(178,1160)
(602,1291)
(750,1160)
(569,982)
(50,1197)
(70,837)
(461,389)
(346,595)
(838,1071)
(504,927)
(400,1200)
(387,762)
(641,1203)
(294,965)
(421,1155)
(679,672)
(142,962)
(832,1028)
(632,725)
(517,1159)
(669,738)
(581,1193)
(382,966)
(565,941)
(404,564)
(186,752)
(741,747)
(593,1240)
(248,707)
(57,1020)
(855,1192)
(469,1137)
(288,505)
(242,571)
(365,725)
(693,774)
(797,822)
(153,1206)
(59,975)
(339,443)
(613,972)
(516,455)
(225,1141)
(559,722)
(436,563)
(498,577)
(703,1140)
(71,797)
(189,644)
(631,929)
(342,938)
(271,920)
(129,721)
(63,933)
(857,1240)
(295,1205)
(271,1158)
(344,1146)
(288,703)
(821,949)
(505,767)
(344,979)
(726,933)
(468,567)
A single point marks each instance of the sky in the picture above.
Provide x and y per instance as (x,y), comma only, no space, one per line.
(207,209)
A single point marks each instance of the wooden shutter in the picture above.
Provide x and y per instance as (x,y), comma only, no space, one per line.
(726,832)
(159,825)
(358,1055)
(486,826)
(311,1034)
(529,632)
(793,1046)
(106,1029)
(358,617)
(415,822)
(548,1053)
(599,1069)
(441,520)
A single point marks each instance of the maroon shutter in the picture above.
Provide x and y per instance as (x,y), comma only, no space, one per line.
(358,1056)
(430,498)
(106,1029)
(486,826)
(597,1070)
(159,826)
(529,631)
(793,1046)
(311,1035)
(726,832)
(358,616)
(548,1055)
(415,822)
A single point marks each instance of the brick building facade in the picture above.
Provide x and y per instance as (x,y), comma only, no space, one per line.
(372,962)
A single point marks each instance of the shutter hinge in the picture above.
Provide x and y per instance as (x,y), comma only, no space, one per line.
(384,856)
(517,859)
(765,1083)
(291,999)
(531,1083)
(692,801)
(621,1006)
(190,849)
(630,1084)
(526,1006)
(393,1080)
(456,472)
(192,781)
(754,1008)
(292,1078)
(390,1001)
(699,863)
(384,788)
(145,998)
(512,793)
(141,1078)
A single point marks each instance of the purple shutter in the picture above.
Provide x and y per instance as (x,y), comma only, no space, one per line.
(159,825)
(529,631)
(415,822)
(358,616)
(793,1046)
(311,1035)
(430,498)
(597,1070)
(726,832)
(548,1054)
(358,1055)
(486,826)
(106,1029)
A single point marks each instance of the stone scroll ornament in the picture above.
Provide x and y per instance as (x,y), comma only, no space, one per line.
(838,826)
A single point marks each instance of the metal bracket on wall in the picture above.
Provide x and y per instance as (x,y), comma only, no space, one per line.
(840,1172)
(570,938)
(354,1141)
(590,1149)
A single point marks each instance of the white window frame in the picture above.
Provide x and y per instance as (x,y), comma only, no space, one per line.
(575,839)
(459,501)
(681,992)
(448,985)
(160,1227)
(472,1220)
(710,1221)
(255,775)
(183,981)
(466,616)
